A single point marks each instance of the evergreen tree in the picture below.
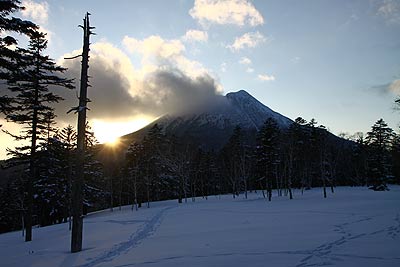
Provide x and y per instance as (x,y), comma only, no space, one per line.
(195,170)
(8,55)
(379,143)
(323,156)
(153,146)
(358,160)
(51,185)
(233,157)
(134,160)
(31,106)
(396,158)
(268,153)
(300,134)
(67,136)
(93,182)
(177,162)
(12,202)
(290,155)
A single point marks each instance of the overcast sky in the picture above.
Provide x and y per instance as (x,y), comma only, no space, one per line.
(336,61)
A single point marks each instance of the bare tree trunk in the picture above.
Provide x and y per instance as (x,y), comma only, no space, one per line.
(323,181)
(69,189)
(111,194)
(269,191)
(135,189)
(32,161)
(290,172)
(120,193)
(22,218)
(322,169)
(245,188)
(148,195)
(262,190)
(192,190)
(28,217)
(185,191)
(278,186)
(289,185)
(180,190)
(77,223)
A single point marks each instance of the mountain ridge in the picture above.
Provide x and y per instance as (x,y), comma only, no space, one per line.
(211,128)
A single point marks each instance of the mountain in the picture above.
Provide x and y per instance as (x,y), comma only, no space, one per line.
(212,126)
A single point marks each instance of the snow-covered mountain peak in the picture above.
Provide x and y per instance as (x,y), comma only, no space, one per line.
(253,110)
(239,94)
(213,125)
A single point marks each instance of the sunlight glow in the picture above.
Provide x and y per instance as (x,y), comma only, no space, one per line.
(108,132)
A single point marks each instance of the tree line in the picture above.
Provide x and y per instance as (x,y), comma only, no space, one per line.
(303,156)
(163,167)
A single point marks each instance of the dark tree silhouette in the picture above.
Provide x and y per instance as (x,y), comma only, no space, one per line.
(9,24)
(268,153)
(379,142)
(30,82)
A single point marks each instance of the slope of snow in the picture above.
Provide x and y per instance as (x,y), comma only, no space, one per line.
(211,125)
(253,111)
(353,227)
(238,108)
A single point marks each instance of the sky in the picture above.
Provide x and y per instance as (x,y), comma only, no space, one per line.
(333,60)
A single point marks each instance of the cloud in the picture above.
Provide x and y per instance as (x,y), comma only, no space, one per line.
(195,35)
(223,66)
(165,81)
(158,53)
(390,11)
(249,70)
(154,47)
(38,12)
(295,60)
(394,87)
(388,88)
(265,77)
(179,93)
(247,40)
(236,12)
(111,77)
(245,61)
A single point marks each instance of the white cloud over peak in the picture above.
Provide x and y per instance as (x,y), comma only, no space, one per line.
(38,12)
(236,12)
(247,40)
(390,11)
(165,80)
(195,35)
(245,61)
(265,77)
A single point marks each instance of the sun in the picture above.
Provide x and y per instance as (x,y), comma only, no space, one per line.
(110,140)
(109,132)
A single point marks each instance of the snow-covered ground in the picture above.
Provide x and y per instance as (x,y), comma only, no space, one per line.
(353,227)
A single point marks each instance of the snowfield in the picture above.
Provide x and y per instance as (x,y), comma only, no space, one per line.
(353,227)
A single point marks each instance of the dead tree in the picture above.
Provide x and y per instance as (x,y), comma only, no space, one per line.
(77,188)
